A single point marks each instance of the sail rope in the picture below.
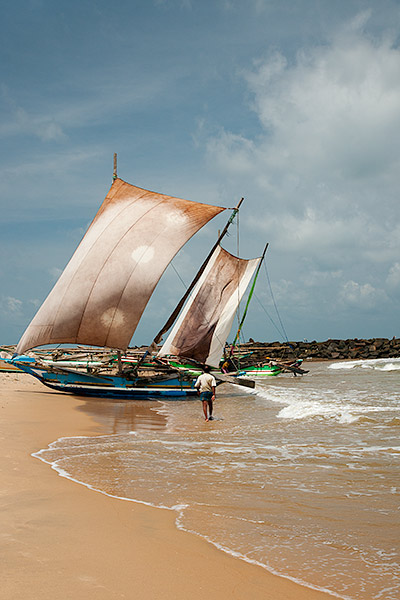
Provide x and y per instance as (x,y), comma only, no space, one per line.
(273,300)
(177,272)
(280,332)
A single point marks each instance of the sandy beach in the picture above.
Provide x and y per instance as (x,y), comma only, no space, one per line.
(60,539)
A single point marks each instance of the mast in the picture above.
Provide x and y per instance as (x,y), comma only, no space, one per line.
(115,167)
(182,301)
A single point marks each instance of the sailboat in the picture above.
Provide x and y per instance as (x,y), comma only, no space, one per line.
(101,295)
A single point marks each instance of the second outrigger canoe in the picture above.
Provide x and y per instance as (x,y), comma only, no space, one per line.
(260,371)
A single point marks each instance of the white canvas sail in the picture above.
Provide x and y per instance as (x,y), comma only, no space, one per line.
(201,331)
(104,289)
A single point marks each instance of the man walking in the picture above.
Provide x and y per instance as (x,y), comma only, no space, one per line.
(206,385)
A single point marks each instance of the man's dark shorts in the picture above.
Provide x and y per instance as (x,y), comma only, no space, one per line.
(206,396)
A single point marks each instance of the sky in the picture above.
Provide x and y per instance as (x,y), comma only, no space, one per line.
(293,105)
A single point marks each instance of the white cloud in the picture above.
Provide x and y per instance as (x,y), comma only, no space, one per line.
(336,109)
(35,302)
(393,278)
(21,122)
(310,230)
(55,273)
(10,305)
(362,296)
(233,153)
(329,124)
(323,167)
(103,92)
(44,127)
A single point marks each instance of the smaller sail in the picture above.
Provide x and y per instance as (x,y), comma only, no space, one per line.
(202,329)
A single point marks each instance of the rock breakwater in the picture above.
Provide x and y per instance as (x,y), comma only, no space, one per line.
(331,349)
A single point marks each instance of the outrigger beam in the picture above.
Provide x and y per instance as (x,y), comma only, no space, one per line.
(225,378)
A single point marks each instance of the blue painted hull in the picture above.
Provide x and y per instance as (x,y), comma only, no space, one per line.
(85,384)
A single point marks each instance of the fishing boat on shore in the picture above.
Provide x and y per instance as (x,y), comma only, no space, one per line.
(273,368)
(260,371)
(100,297)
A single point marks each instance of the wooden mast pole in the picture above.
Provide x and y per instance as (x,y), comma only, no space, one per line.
(115,167)
(119,354)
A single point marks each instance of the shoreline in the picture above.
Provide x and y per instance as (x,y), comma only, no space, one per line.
(61,538)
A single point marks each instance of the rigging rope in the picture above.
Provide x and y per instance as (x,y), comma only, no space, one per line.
(183,283)
(280,332)
(273,300)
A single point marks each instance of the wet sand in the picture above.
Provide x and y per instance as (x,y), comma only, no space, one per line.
(60,539)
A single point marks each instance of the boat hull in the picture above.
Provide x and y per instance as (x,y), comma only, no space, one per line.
(7,367)
(83,384)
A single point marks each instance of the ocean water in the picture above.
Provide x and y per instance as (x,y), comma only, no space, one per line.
(300,476)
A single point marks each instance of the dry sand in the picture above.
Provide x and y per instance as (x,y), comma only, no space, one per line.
(61,540)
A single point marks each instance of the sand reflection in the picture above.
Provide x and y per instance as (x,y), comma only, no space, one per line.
(122,416)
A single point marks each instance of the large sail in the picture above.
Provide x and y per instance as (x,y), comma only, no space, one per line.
(103,291)
(201,331)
